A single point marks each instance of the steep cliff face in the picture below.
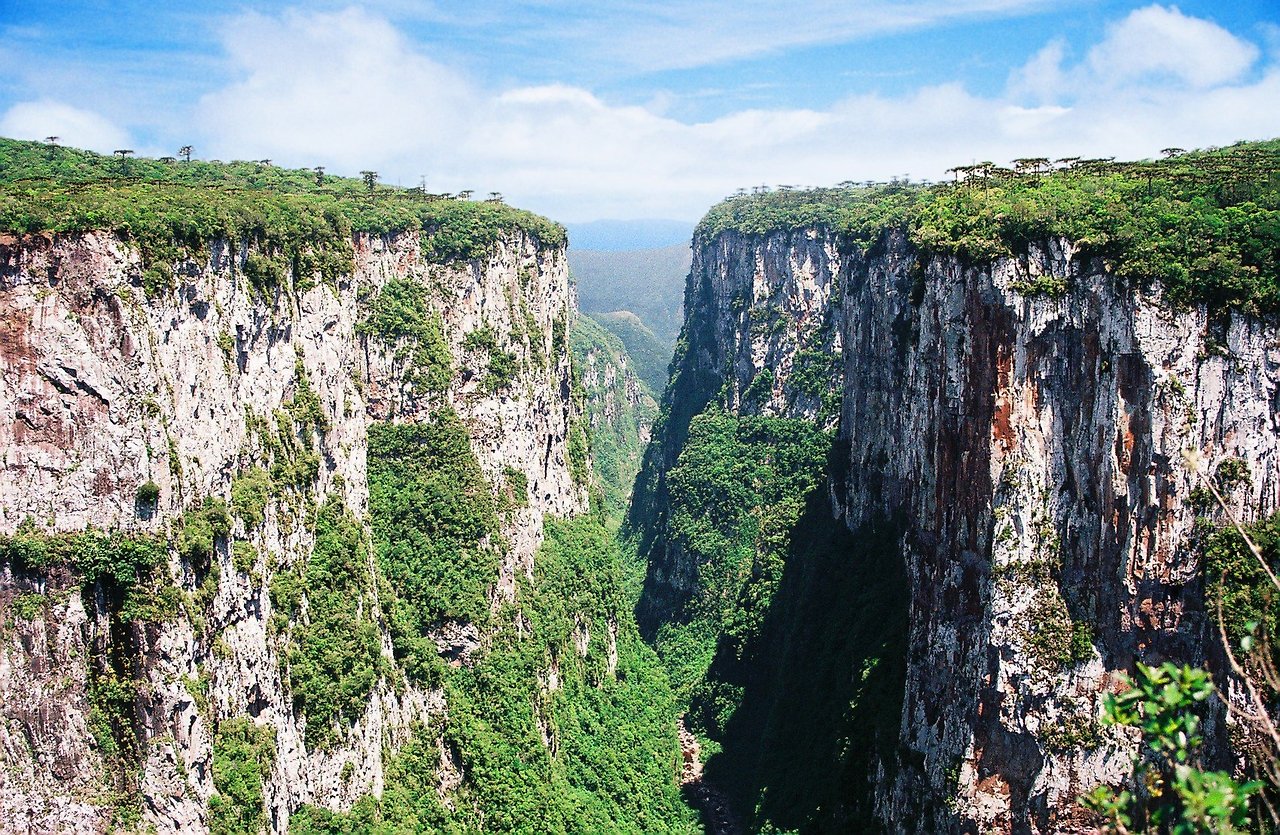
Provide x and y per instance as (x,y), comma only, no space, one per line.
(1037,449)
(1009,467)
(761,337)
(196,393)
(619,410)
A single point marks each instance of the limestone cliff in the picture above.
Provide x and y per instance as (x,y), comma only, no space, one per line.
(1022,452)
(110,389)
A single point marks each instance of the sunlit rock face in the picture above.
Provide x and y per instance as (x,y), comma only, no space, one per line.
(1032,448)
(105,389)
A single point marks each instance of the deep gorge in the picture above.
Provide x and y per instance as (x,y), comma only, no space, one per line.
(318,510)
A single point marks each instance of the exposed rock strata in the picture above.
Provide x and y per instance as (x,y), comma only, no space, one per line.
(105,389)
(1032,448)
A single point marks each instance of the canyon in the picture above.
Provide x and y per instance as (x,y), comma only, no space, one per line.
(323,510)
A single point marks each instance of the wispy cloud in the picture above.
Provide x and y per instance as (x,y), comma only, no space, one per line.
(702,32)
(644,36)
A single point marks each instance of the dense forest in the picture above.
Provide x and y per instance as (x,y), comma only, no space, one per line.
(170,206)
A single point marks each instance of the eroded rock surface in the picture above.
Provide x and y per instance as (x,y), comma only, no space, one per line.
(1033,450)
(107,389)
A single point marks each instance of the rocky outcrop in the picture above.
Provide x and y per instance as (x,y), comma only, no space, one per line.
(108,389)
(1026,424)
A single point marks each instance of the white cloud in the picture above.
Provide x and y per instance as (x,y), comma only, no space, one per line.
(72,126)
(1042,78)
(1163,41)
(1153,48)
(347,90)
(344,87)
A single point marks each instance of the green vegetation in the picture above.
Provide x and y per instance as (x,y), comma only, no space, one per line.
(432,512)
(409,802)
(243,556)
(243,754)
(200,528)
(736,491)
(814,373)
(608,760)
(501,367)
(649,356)
(401,310)
(1053,637)
(305,407)
(760,389)
(616,422)
(148,496)
(1172,793)
(515,492)
(804,758)
(288,445)
(110,556)
(1236,580)
(579,451)
(27,606)
(297,221)
(560,718)
(783,593)
(112,697)
(595,753)
(1233,473)
(335,653)
(120,584)
(250,492)
(1206,225)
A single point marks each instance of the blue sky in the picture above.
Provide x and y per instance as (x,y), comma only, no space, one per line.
(584,110)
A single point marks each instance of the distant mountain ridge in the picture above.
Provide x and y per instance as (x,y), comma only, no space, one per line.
(649,283)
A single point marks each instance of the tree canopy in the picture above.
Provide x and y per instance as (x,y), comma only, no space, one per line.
(1205,224)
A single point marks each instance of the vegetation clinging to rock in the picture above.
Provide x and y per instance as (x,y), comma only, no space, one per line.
(295,220)
(1205,224)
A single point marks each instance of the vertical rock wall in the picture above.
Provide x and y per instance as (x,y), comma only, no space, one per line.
(1032,450)
(108,389)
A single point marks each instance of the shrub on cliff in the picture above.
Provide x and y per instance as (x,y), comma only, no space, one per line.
(1172,793)
(201,527)
(335,653)
(401,311)
(243,754)
(431,510)
(148,495)
(250,492)
(122,558)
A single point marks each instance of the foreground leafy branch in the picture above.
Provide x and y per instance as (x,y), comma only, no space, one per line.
(1171,793)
